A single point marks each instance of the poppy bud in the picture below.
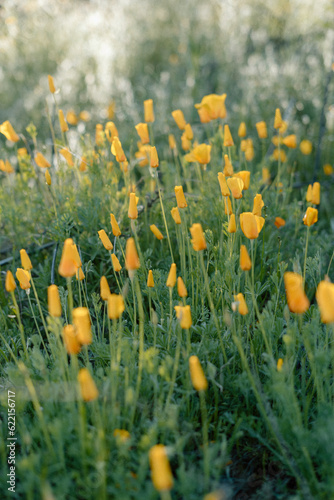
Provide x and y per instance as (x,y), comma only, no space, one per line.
(189,132)
(297,300)
(115,262)
(328,169)
(121,435)
(80,275)
(115,306)
(243,145)
(227,205)
(257,205)
(176,215)
(228,168)
(232,225)
(81,321)
(62,121)
(142,131)
(261,128)
(25,261)
(249,150)
(161,473)
(279,365)
(183,314)
(278,122)
(105,240)
(223,185)
(133,211)
(316,194)
(156,232)
(265,175)
(67,266)
(88,388)
(104,288)
(242,131)
(41,161)
(179,119)
(24,278)
(305,147)
(115,228)
(185,143)
(7,130)
(68,156)
(6,167)
(171,280)
(99,134)
(244,175)
(279,222)
(154,160)
(242,306)
(148,111)
(197,376)
(181,288)
(236,186)
(198,239)
(245,262)
(131,256)
(72,344)
(54,305)
(325,299)
(290,141)
(117,150)
(51,84)
(48,178)
(180,198)
(10,284)
(228,141)
(311,216)
(171,141)
(150,280)
(71,117)
(309,193)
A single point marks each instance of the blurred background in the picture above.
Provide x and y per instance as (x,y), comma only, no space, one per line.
(261,53)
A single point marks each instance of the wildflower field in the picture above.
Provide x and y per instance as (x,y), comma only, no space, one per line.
(166,303)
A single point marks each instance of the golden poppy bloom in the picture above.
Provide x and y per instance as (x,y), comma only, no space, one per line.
(111,131)
(115,227)
(242,131)
(142,131)
(279,155)
(41,161)
(154,160)
(183,314)
(258,205)
(133,211)
(325,299)
(161,473)
(328,169)
(236,186)
(278,122)
(115,263)
(211,107)
(242,306)
(62,121)
(157,233)
(297,300)
(88,389)
(171,279)
(148,111)
(10,284)
(6,167)
(232,225)
(311,216)
(223,184)
(180,198)
(244,175)
(67,266)
(198,239)
(251,225)
(228,141)
(52,87)
(117,150)
(105,240)
(115,306)
(54,305)
(81,321)
(25,260)
(68,156)
(200,154)
(290,141)
(245,262)
(71,117)
(24,278)
(179,119)
(261,128)
(181,288)
(198,379)
(7,130)
(72,344)
(104,288)
(150,279)
(228,168)
(305,147)
(279,222)
(176,215)
(131,256)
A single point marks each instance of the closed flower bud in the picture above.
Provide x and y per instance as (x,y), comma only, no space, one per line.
(171,280)
(133,211)
(297,300)
(150,280)
(185,143)
(52,87)
(154,160)
(325,299)
(54,305)
(142,131)
(72,344)
(181,288)
(290,141)
(309,193)
(84,116)
(198,239)
(7,130)
(305,147)
(6,167)
(183,314)
(67,266)
(115,228)
(311,216)
(197,376)
(176,215)
(258,205)
(24,278)
(189,132)
(243,145)
(245,262)
(76,256)
(200,154)
(244,175)
(131,256)
(117,150)
(279,222)
(316,194)
(242,131)
(104,288)
(115,306)
(62,121)
(179,119)
(249,150)
(161,473)
(180,198)
(41,161)
(105,240)
(328,169)
(148,111)
(261,128)
(223,184)
(242,306)
(228,205)
(236,186)
(171,141)
(81,321)
(228,141)
(88,388)
(279,365)
(10,284)
(278,122)
(68,156)
(232,225)
(228,168)
(265,175)
(80,275)
(279,155)
(111,131)
(48,178)
(156,232)
(116,264)
(71,117)
(25,261)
